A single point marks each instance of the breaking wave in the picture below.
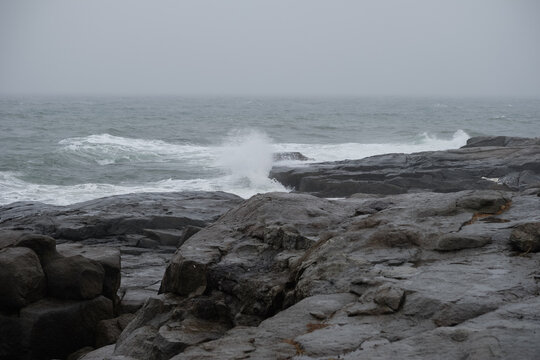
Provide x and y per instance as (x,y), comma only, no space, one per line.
(106,149)
(335,152)
(240,164)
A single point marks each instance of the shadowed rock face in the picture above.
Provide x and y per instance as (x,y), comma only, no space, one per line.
(60,327)
(293,274)
(261,231)
(22,280)
(498,163)
(53,297)
(74,277)
(145,228)
(50,303)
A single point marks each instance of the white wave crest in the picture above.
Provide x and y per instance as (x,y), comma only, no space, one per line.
(244,161)
(106,149)
(335,152)
(247,158)
(430,142)
(13,189)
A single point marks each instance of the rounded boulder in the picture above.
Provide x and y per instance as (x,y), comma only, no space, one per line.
(74,277)
(22,280)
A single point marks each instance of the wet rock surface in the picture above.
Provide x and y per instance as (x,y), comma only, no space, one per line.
(291,155)
(50,303)
(104,219)
(412,275)
(503,163)
(292,275)
(22,280)
(145,229)
(54,297)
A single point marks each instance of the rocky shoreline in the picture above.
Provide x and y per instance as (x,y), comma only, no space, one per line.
(485,163)
(130,237)
(428,255)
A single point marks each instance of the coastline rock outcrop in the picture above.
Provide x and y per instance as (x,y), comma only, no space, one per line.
(123,217)
(424,259)
(504,141)
(22,279)
(54,289)
(75,285)
(485,163)
(292,155)
(296,276)
(145,228)
(50,304)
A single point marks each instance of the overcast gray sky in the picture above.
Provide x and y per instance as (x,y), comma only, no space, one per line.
(293,47)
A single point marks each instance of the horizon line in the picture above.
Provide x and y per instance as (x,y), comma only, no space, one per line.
(265,95)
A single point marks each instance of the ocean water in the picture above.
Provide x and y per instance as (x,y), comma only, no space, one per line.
(63,150)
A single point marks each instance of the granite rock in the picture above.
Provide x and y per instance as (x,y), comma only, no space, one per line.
(110,217)
(292,275)
(498,163)
(22,280)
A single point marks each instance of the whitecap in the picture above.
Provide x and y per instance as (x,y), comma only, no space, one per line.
(336,152)
(106,149)
(243,161)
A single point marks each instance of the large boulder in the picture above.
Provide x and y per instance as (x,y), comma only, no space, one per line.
(247,253)
(107,257)
(526,237)
(38,327)
(9,237)
(44,246)
(15,338)
(59,327)
(51,328)
(33,326)
(74,277)
(22,280)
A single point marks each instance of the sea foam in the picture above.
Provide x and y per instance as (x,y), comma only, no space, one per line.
(247,156)
(105,149)
(335,152)
(242,162)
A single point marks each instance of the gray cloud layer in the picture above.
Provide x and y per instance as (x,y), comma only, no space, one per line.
(311,47)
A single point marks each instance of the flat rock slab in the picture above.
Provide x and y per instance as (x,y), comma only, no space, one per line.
(118,215)
(485,163)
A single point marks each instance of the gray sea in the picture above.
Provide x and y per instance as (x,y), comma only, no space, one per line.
(63,150)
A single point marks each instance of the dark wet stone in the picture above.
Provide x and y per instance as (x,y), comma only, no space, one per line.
(22,280)
(512,162)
